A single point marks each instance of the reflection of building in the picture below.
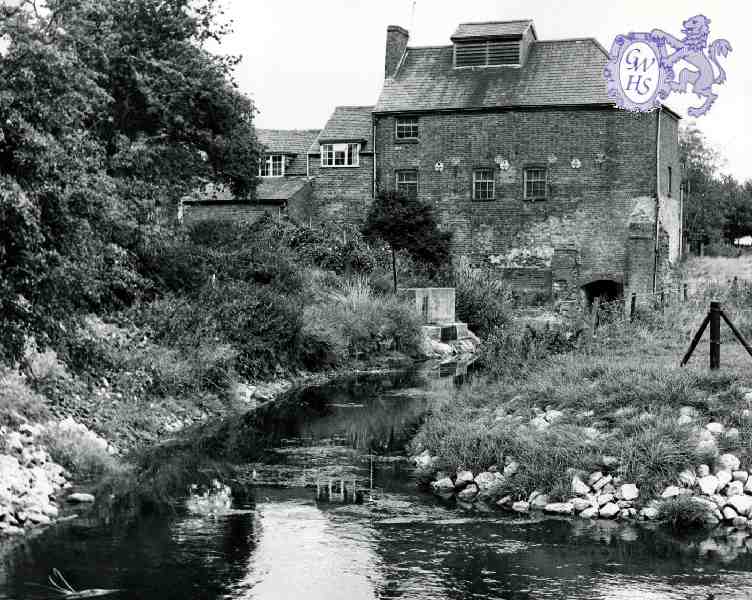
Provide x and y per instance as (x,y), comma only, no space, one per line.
(516,144)
(743,241)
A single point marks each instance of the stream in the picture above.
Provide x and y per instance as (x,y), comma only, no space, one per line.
(299,537)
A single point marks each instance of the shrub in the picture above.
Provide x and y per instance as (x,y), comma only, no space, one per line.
(511,349)
(482,301)
(353,321)
(18,402)
(682,513)
(80,451)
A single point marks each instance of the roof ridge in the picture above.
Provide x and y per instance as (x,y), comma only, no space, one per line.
(354,106)
(572,39)
(278,129)
(496,22)
(429,47)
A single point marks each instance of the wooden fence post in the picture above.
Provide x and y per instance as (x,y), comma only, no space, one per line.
(715,335)
(632,304)
(685,292)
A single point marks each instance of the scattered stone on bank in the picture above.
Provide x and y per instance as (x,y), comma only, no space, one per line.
(728,462)
(521,506)
(735,488)
(715,428)
(708,484)
(80,498)
(608,510)
(589,513)
(740,476)
(724,478)
(559,508)
(579,487)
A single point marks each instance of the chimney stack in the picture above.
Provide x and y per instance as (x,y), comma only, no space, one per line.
(396,44)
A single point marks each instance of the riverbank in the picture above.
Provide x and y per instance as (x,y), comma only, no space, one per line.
(615,405)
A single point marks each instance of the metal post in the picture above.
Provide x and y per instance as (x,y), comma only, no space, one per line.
(715,335)
(663,299)
(632,304)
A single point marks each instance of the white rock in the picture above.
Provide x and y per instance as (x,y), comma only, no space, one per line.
(521,506)
(539,501)
(463,476)
(729,513)
(708,484)
(468,494)
(732,434)
(602,482)
(609,510)
(703,470)
(671,491)
(80,497)
(559,508)
(649,513)
(628,491)
(604,499)
(579,487)
(740,476)
(735,488)
(443,484)
(724,478)
(553,415)
(741,504)
(486,480)
(748,486)
(595,476)
(715,428)
(580,504)
(728,462)
(589,513)
(424,460)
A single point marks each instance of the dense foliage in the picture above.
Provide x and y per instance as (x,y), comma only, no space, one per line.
(109,112)
(717,208)
(407,224)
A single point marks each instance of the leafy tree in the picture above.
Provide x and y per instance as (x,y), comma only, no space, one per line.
(407,224)
(110,110)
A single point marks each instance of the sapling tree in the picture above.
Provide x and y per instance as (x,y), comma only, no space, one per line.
(405,223)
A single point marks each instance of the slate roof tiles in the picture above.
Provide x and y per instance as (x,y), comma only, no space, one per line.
(557,72)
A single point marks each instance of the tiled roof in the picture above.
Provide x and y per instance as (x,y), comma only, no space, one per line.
(287,141)
(347,123)
(278,189)
(491,29)
(557,72)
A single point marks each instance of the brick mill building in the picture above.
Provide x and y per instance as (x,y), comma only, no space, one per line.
(515,143)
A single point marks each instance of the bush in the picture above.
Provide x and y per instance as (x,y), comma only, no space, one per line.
(355,321)
(482,301)
(682,513)
(80,451)
(510,350)
(18,402)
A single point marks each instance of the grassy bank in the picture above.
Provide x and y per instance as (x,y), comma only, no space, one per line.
(619,394)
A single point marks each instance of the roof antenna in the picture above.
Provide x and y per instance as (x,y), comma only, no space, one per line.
(412,16)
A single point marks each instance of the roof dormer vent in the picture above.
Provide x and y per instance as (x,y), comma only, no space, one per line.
(492,44)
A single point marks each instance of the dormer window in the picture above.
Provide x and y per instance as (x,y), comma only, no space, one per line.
(340,155)
(487,53)
(272,165)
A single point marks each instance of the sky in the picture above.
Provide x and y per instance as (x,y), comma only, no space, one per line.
(301,58)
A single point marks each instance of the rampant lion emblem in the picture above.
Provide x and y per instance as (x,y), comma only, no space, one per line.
(692,50)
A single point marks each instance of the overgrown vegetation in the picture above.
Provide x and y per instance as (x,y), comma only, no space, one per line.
(619,391)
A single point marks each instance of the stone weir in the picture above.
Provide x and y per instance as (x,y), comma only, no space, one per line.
(443,335)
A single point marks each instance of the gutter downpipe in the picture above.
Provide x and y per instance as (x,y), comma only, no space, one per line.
(373,135)
(657,195)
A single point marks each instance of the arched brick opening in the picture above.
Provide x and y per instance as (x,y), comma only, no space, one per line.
(605,289)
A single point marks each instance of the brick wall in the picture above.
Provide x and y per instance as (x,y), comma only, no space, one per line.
(341,194)
(580,232)
(231,210)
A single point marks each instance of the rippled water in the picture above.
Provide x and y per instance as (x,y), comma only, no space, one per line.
(398,543)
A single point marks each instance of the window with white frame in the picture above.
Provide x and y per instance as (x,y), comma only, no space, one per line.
(272,165)
(535,183)
(340,155)
(406,128)
(407,183)
(483,184)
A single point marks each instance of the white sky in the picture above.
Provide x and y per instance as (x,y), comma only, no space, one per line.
(301,58)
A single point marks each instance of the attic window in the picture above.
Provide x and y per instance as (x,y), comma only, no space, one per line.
(340,155)
(272,165)
(487,53)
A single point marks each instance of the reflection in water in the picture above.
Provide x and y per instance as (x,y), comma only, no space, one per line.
(401,544)
(300,555)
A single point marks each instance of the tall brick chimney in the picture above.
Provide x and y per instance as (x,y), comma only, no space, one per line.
(396,43)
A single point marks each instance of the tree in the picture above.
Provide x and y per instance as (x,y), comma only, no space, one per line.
(407,224)
(110,110)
